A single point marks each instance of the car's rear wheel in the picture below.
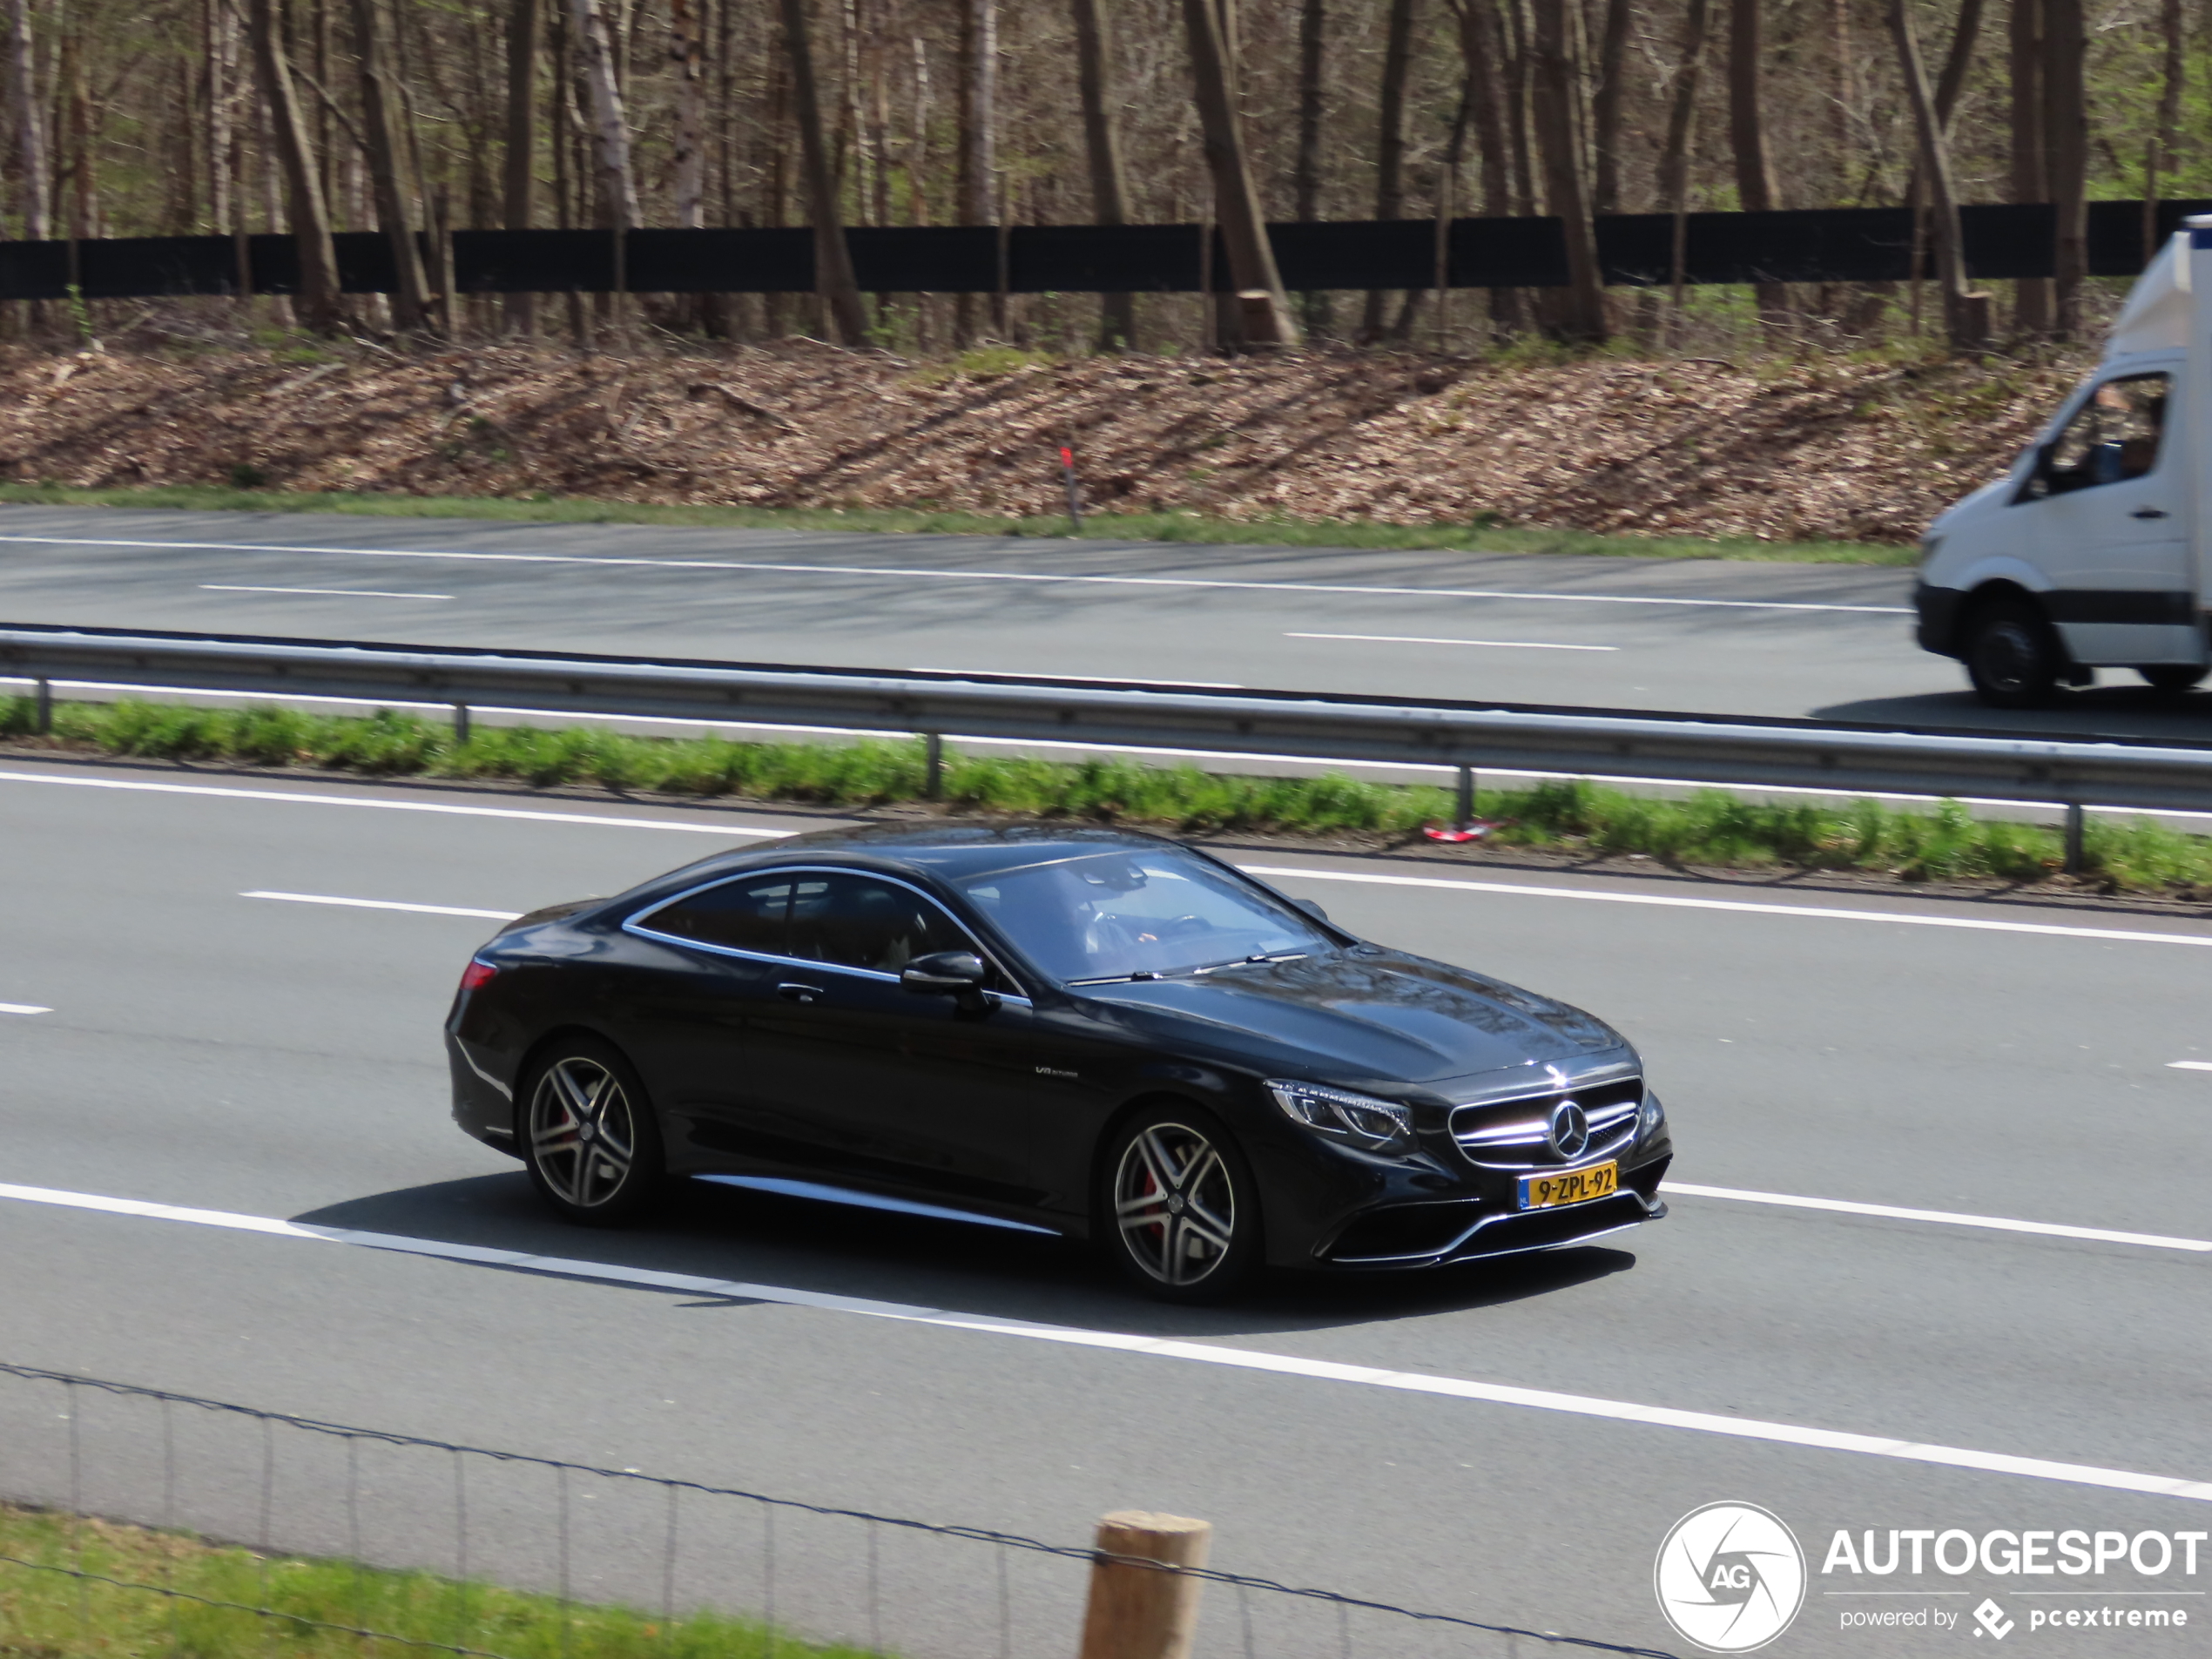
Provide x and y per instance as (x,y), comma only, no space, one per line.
(588,1138)
(2013,655)
(1180,1212)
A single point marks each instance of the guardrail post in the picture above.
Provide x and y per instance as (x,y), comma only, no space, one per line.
(460,723)
(1467,796)
(933,781)
(46,715)
(2074,817)
(1140,1612)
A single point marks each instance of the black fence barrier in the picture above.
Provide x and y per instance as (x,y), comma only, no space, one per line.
(1636,250)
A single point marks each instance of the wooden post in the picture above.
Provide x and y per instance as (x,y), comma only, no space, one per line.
(1140,1612)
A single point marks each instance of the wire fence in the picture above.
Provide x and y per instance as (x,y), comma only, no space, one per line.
(400,1541)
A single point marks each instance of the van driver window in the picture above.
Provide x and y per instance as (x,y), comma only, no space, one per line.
(2112,438)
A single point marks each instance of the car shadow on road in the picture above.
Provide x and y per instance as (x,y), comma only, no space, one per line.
(727,1235)
(2116,710)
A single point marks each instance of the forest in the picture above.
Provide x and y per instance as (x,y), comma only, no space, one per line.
(417,118)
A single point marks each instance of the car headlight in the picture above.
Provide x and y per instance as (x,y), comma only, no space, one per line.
(1343,1116)
(1651,1119)
(1930,545)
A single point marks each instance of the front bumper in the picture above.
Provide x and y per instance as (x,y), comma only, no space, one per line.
(1396,1236)
(1937,611)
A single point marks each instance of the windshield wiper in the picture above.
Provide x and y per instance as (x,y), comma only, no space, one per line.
(1256,960)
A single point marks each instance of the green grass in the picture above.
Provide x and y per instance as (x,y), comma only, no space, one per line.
(50,1615)
(1190,527)
(1710,828)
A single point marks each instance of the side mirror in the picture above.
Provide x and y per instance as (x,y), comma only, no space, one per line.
(944,973)
(1312,910)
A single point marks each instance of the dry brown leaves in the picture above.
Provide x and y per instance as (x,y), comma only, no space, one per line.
(1822,449)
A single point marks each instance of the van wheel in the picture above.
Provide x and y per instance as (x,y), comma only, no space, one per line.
(2012,655)
(2172,678)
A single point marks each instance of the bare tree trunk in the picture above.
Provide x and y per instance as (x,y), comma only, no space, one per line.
(1390,142)
(1747,136)
(1682,137)
(524,22)
(1313,95)
(1264,309)
(834,277)
(1102,147)
(2067,127)
(1581,314)
(1843,97)
(978,47)
(1605,108)
(2164,137)
(381,114)
(31,164)
(318,302)
(1482,51)
(2031,179)
(1965,315)
(610,129)
(687,60)
(1305,172)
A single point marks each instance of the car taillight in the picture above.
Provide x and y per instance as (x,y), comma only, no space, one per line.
(477,973)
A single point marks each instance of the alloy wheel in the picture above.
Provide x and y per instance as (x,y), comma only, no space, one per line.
(1174,1204)
(583,1136)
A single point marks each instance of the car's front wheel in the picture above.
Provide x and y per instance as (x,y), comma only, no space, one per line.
(588,1138)
(2013,655)
(1180,1212)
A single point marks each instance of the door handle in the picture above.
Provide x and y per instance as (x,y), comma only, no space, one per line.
(2148,512)
(797,993)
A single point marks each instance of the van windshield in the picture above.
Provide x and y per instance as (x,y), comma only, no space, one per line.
(1139,914)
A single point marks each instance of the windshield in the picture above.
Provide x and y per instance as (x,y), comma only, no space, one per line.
(1138,913)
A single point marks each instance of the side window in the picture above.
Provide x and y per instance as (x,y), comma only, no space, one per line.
(2112,437)
(741,915)
(856,921)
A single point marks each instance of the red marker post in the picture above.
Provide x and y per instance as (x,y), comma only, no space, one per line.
(1074,492)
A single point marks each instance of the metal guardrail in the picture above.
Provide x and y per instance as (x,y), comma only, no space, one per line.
(1472,736)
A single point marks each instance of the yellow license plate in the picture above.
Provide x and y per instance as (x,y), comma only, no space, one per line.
(1570,1186)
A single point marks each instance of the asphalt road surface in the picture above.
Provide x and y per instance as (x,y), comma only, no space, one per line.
(1703,635)
(1508,1442)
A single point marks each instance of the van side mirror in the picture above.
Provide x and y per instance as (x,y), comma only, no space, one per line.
(944,973)
(1312,910)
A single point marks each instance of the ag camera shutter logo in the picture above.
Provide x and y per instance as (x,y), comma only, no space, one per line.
(1730,1577)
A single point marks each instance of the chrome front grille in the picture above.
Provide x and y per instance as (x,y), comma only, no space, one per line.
(1515,1134)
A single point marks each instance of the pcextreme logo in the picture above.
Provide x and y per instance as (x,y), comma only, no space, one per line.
(1730,1577)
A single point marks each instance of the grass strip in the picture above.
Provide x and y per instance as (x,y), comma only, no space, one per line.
(1710,829)
(1192,527)
(54,1614)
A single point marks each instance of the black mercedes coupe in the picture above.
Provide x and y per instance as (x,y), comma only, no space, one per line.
(1089,1032)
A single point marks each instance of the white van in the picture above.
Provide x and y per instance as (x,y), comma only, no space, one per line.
(2091,553)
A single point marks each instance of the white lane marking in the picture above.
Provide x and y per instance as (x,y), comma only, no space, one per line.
(1093,679)
(2189,1065)
(1815,913)
(386,904)
(394,805)
(1416,639)
(963,576)
(320,593)
(1164,1347)
(1947,1217)
(23,1007)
